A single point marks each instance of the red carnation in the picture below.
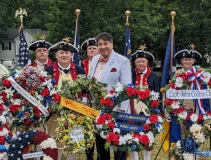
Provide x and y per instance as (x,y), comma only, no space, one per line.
(101,120)
(171,85)
(23,83)
(147,127)
(51,152)
(10,134)
(168,102)
(111,125)
(108,116)
(37,111)
(56,97)
(106,102)
(153,118)
(200,118)
(144,139)
(131,91)
(2,140)
(4,96)
(143,94)
(6,83)
(45,92)
(113,137)
(27,123)
(154,104)
(1,108)
(14,108)
(15,96)
(111,91)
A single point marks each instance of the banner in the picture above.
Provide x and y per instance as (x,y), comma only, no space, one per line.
(33,155)
(188,94)
(78,107)
(129,127)
(130,117)
(28,96)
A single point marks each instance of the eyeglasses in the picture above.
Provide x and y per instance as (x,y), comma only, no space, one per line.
(41,50)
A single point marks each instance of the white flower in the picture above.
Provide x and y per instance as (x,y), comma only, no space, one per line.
(49,143)
(178,144)
(2,119)
(99,126)
(136,140)
(183,115)
(4,132)
(160,119)
(151,138)
(46,83)
(1,100)
(179,82)
(128,138)
(194,117)
(39,97)
(175,104)
(206,77)
(122,141)
(154,95)
(9,92)
(195,128)
(102,135)
(206,117)
(116,130)
(199,138)
(45,157)
(188,156)
(118,87)
(17,74)
(2,155)
(44,73)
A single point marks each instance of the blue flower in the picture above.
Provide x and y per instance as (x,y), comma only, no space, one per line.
(53,81)
(188,123)
(20,114)
(133,147)
(156,110)
(9,139)
(131,85)
(113,99)
(48,99)
(189,145)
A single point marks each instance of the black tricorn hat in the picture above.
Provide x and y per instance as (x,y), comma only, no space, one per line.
(64,45)
(140,53)
(185,53)
(39,44)
(89,42)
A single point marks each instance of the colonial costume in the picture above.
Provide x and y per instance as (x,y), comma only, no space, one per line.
(86,63)
(60,74)
(149,79)
(40,44)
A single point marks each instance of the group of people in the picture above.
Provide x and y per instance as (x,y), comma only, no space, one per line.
(106,66)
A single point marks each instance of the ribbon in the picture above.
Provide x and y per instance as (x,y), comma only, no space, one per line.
(130,117)
(129,127)
(195,76)
(203,153)
(29,97)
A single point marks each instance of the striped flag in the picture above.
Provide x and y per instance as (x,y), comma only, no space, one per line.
(24,57)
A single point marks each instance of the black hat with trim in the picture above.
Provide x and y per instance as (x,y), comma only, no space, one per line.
(140,53)
(185,53)
(64,45)
(40,44)
(89,42)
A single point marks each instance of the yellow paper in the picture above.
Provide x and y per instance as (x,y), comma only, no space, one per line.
(78,107)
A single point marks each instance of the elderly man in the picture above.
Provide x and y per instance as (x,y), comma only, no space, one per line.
(63,70)
(41,51)
(143,76)
(90,46)
(111,68)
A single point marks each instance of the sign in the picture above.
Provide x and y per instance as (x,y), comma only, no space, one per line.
(33,155)
(130,117)
(78,107)
(77,133)
(188,94)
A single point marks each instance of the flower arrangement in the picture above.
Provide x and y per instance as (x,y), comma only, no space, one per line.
(106,122)
(6,137)
(75,131)
(198,124)
(40,138)
(27,98)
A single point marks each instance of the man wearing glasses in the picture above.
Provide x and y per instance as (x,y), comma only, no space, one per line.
(41,51)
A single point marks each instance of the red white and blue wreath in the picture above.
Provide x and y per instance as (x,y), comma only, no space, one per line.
(27,98)
(40,138)
(135,136)
(198,124)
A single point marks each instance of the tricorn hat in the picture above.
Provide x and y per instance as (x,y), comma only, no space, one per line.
(89,42)
(140,53)
(64,45)
(40,44)
(185,53)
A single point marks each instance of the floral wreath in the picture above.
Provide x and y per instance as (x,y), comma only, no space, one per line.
(31,83)
(6,137)
(199,124)
(40,138)
(106,123)
(70,120)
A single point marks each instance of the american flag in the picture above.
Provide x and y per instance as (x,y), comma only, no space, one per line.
(24,57)
(127,51)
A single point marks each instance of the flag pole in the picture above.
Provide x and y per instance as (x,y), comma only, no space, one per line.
(173,14)
(20,12)
(77,12)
